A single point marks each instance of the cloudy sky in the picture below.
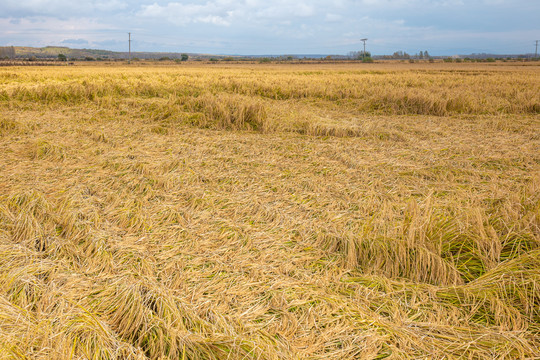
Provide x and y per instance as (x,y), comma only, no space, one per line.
(442,27)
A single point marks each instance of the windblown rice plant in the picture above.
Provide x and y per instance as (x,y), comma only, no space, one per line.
(270,212)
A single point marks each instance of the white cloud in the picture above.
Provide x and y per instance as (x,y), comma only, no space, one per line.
(111,5)
(286,9)
(37,31)
(333,18)
(183,14)
(211,19)
(278,26)
(59,8)
(224,12)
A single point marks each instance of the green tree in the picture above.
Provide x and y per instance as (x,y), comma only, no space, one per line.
(62,57)
(184,57)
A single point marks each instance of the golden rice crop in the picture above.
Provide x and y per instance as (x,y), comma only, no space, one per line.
(270,212)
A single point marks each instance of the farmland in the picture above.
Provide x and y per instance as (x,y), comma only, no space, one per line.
(262,211)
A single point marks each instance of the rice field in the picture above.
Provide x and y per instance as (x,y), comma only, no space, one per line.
(259,211)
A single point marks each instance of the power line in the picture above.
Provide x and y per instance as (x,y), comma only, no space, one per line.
(536,51)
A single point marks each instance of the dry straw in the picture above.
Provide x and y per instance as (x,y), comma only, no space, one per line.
(260,212)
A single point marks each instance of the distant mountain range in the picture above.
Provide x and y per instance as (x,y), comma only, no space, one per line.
(52,52)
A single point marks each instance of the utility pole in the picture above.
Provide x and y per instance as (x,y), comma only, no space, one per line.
(536,51)
(364,53)
(129,41)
